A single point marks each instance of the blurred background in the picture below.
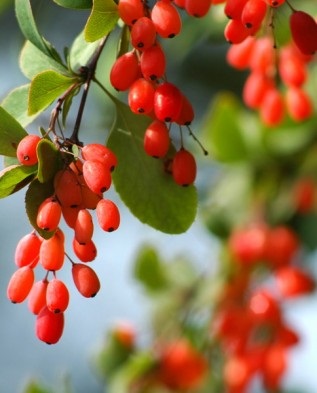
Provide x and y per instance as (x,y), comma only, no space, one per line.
(198,65)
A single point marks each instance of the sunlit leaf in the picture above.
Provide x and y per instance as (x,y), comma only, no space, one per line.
(81,52)
(47,87)
(148,191)
(50,160)
(76,4)
(28,26)
(15,177)
(11,132)
(16,103)
(33,61)
(102,20)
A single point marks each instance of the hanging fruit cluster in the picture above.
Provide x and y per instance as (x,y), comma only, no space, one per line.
(75,189)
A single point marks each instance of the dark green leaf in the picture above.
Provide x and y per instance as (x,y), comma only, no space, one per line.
(35,195)
(148,191)
(28,26)
(102,20)
(16,103)
(47,87)
(15,177)
(50,160)
(149,270)
(11,132)
(223,132)
(76,4)
(33,61)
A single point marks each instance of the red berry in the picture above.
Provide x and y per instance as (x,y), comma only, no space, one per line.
(124,71)
(52,252)
(184,168)
(49,326)
(37,296)
(20,284)
(49,214)
(85,280)
(97,176)
(57,296)
(143,33)
(168,101)
(197,8)
(86,252)
(166,19)
(130,10)
(153,62)
(26,150)
(156,139)
(141,96)
(304,32)
(108,215)
(27,250)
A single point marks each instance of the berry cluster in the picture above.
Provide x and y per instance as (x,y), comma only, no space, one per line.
(249,321)
(141,72)
(278,73)
(78,188)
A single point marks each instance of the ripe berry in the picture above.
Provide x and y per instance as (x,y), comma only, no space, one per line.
(130,11)
(298,103)
(85,280)
(166,19)
(143,33)
(57,296)
(49,214)
(272,108)
(304,32)
(49,326)
(181,367)
(97,176)
(233,8)
(124,71)
(156,139)
(26,150)
(67,188)
(27,250)
(37,296)
(20,284)
(98,152)
(52,253)
(292,281)
(86,252)
(108,215)
(84,226)
(184,168)
(153,62)
(197,8)
(141,96)
(167,102)
(253,13)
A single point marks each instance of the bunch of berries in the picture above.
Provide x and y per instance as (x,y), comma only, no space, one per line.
(78,188)
(141,72)
(278,73)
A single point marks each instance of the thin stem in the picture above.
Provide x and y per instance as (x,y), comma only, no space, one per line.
(89,72)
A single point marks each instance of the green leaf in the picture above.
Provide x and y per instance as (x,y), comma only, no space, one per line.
(15,177)
(47,87)
(35,387)
(28,26)
(76,4)
(102,20)
(149,270)
(223,132)
(34,196)
(33,61)
(50,160)
(137,367)
(81,52)
(16,103)
(11,132)
(148,191)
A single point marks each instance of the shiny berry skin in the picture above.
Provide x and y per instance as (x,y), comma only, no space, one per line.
(49,326)
(98,152)
(184,168)
(143,33)
(27,250)
(166,19)
(304,32)
(49,214)
(20,284)
(85,252)
(197,8)
(108,215)
(124,71)
(85,280)
(153,62)
(52,253)
(141,96)
(97,176)
(168,101)
(57,296)
(37,296)
(156,139)
(130,11)
(26,150)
